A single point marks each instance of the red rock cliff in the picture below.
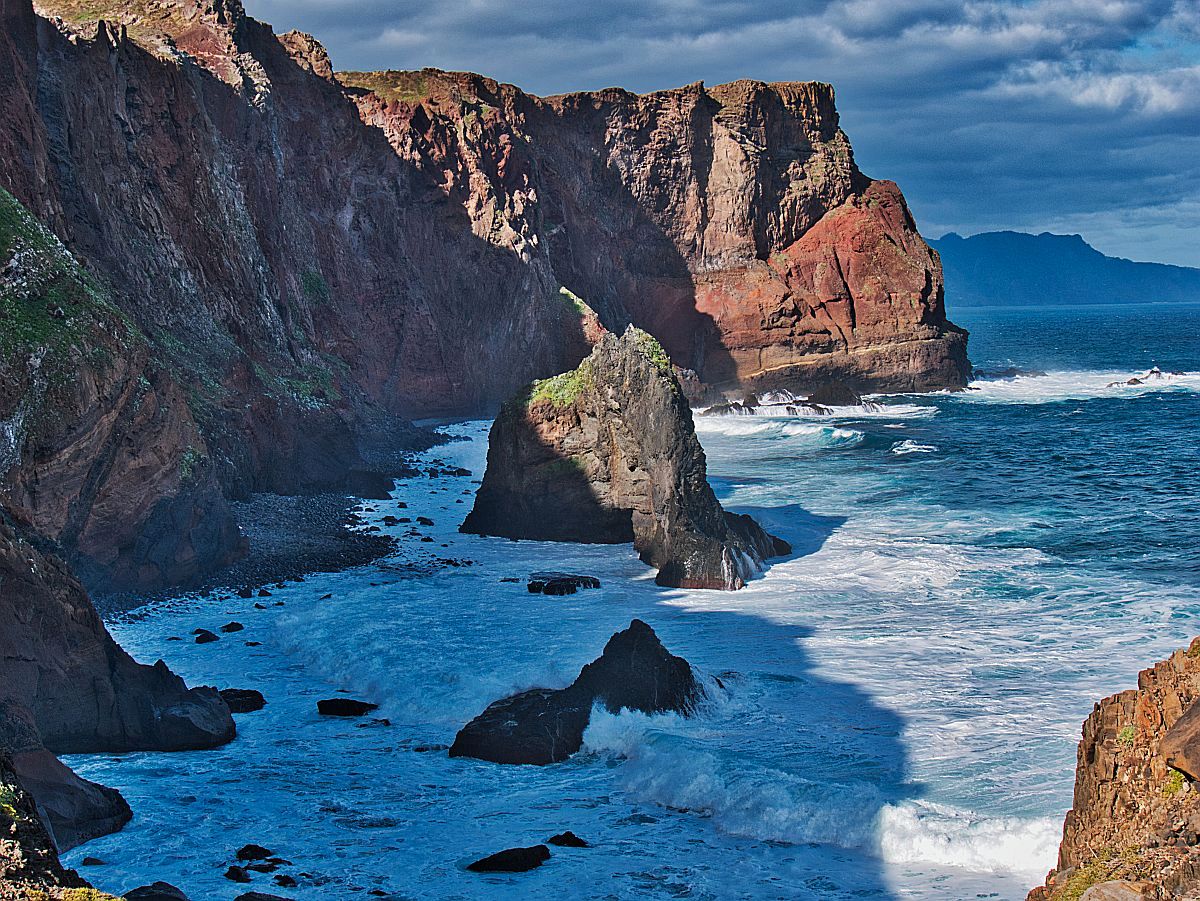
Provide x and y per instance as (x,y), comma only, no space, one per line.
(1136,818)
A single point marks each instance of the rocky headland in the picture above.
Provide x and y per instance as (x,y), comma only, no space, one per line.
(228,272)
(1134,829)
(608,454)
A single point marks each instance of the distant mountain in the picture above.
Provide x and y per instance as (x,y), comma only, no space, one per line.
(1014,268)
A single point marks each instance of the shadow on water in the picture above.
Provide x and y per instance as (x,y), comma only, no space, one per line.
(792,767)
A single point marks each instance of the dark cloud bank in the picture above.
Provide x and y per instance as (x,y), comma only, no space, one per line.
(1059,115)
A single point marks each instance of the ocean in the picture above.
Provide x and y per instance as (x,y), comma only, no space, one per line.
(903,696)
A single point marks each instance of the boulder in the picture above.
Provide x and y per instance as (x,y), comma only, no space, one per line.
(344,707)
(1119,890)
(834,394)
(1180,746)
(232,627)
(156,891)
(567,839)
(203,636)
(253,852)
(608,454)
(243,700)
(237,874)
(542,725)
(512,860)
(554,583)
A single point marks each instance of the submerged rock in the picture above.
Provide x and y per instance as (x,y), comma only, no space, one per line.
(344,707)
(243,700)
(608,454)
(543,725)
(560,583)
(156,891)
(512,860)
(567,839)
(253,852)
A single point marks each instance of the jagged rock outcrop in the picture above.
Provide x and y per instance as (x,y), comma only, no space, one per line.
(608,453)
(1136,816)
(86,694)
(29,865)
(543,726)
(310,258)
(73,809)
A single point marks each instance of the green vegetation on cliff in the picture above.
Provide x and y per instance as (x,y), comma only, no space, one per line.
(391,86)
(652,350)
(562,390)
(48,303)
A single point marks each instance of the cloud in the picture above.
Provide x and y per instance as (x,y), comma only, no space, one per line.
(990,113)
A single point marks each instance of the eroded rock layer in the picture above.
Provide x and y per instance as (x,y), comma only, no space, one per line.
(1135,820)
(607,453)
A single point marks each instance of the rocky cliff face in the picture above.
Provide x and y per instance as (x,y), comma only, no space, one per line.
(608,453)
(729,222)
(1136,818)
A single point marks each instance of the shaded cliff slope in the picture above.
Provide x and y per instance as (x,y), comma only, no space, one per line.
(1136,813)
(607,453)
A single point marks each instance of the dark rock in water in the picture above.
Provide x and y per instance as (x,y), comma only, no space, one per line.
(513,860)
(232,627)
(259,896)
(244,593)
(835,394)
(559,583)
(243,700)
(543,725)
(263,867)
(260,606)
(156,891)
(424,521)
(253,852)
(567,839)
(283,880)
(237,874)
(91,862)
(726,408)
(344,707)
(206,637)
(608,454)
(264,593)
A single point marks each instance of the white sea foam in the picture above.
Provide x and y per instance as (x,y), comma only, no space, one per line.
(908,446)
(921,831)
(1077,385)
(799,433)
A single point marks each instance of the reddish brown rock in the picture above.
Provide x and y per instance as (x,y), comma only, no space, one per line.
(1134,815)
(608,453)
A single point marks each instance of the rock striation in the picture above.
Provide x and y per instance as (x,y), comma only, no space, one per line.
(608,453)
(543,726)
(1135,823)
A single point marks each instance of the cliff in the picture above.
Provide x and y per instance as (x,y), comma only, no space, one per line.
(1136,813)
(607,453)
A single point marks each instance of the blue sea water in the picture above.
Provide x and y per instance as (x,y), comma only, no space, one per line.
(972,571)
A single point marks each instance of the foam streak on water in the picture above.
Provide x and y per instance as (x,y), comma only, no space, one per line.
(897,705)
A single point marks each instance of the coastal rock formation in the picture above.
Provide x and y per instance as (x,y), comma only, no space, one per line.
(293,263)
(608,453)
(86,694)
(1136,814)
(29,865)
(543,725)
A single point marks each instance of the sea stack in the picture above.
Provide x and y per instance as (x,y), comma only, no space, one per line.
(607,454)
(543,725)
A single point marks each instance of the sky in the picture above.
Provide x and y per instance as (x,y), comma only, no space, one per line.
(1069,116)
